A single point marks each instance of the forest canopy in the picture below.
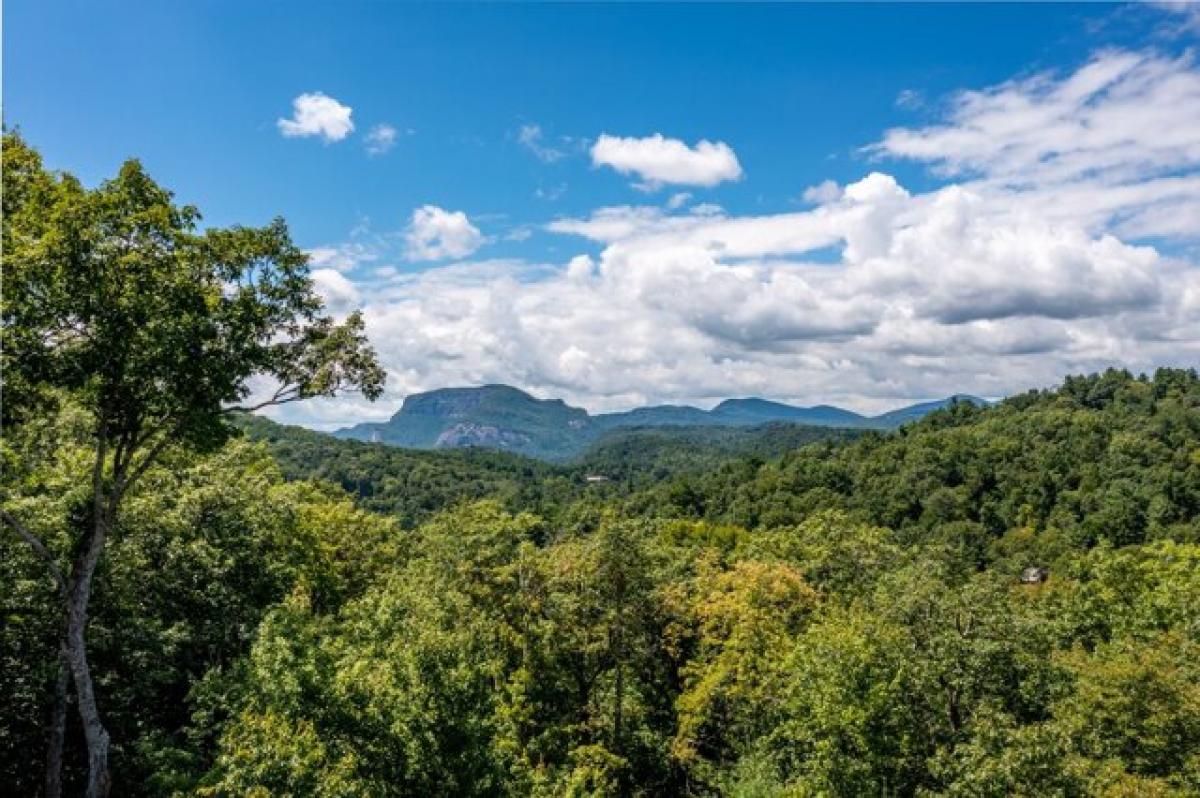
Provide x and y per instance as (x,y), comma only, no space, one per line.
(990,601)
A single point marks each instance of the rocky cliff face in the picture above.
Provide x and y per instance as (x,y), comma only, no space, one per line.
(484,435)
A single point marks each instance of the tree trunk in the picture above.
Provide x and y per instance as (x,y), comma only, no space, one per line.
(58,727)
(619,686)
(618,712)
(99,780)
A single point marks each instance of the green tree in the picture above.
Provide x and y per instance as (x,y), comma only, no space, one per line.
(1137,703)
(113,297)
(744,620)
(848,723)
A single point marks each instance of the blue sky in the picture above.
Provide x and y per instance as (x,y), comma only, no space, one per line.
(194,90)
(497,111)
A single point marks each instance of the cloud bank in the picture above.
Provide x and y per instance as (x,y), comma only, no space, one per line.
(1058,242)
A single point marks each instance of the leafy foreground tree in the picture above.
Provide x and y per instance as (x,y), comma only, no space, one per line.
(114,299)
(207,545)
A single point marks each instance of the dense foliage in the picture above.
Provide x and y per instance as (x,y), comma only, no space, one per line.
(991,601)
(641,456)
(407,484)
(1103,458)
(411,485)
(205,548)
(846,619)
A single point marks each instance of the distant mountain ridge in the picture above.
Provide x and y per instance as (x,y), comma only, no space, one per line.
(506,418)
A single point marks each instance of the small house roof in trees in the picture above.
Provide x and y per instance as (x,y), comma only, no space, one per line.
(1034,575)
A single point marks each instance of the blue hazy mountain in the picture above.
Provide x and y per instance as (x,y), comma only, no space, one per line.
(903,415)
(761,411)
(506,418)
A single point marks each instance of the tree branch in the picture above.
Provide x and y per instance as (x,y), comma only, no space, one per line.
(285,394)
(292,394)
(125,483)
(36,544)
(98,471)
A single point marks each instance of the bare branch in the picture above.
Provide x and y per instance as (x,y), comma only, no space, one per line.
(293,393)
(285,394)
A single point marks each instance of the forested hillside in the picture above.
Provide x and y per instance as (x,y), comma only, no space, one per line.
(990,601)
(846,619)
(1106,457)
(411,484)
(408,484)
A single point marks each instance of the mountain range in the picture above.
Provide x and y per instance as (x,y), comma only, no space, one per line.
(506,418)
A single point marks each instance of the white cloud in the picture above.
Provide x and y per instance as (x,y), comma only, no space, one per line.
(342,257)
(910,99)
(956,263)
(1024,267)
(825,191)
(620,222)
(381,138)
(550,193)
(437,234)
(661,161)
(316,114)
(1117,136)
(677,201)
(706,209)
(1186,12)
(340,294)
(934,294)
(549,149)
(530,136)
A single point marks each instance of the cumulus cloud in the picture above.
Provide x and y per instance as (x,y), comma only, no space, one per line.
(661,161)
(825,191)
(381,138)
(1027,263)
(956,263)
(437,234)
(934,293)
(317,114)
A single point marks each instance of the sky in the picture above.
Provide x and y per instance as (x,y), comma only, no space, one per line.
(858,204)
